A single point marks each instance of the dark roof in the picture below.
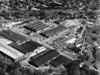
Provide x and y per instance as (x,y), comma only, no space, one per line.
(37,23)
(8,36)
(39,54)
(28,46)
(36,26)
(17,36)
(42,27)
(60,60)
(29,28)
(19,48)
(42,59)
(45,55)
(54,31)
(59,21)
(34,43)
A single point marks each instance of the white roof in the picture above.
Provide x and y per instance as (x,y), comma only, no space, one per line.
(10,51)
(71,40)
(4,40)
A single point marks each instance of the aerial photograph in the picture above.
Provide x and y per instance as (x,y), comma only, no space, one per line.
(49,37)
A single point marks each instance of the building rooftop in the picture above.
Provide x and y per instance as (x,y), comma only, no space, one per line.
(60,60)
(54,31)
(42,59)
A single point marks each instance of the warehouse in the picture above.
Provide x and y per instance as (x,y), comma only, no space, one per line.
(8,36)
(42,27)
(12,36)
(42,59)
(39,54)
(39,24)
(60,60)
(36,23)
(36,26)
(29,28)
(28,46)
(34,43)
(17,36)
(13,53)
(54,31)
(5,56)
(19,48)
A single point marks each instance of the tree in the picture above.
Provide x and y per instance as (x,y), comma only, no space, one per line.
(71,67)
(46,72)
(93,72)
(2,72)
(37,72)
(75,72)
(64,72)
(85,67)
(15,72)
(82,73)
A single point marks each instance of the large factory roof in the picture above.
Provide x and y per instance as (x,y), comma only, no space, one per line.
(36,26)
(25,47)
(12,36)
(28,46)
(60,60)
(19,48)
(8,36)
(54,31)
(42,59)
(10,51)
(34,43)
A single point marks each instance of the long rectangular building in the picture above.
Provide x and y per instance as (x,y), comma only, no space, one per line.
(6,57)
(19,48)
(8,36)
(42,59)
(54,31)
(29,47)
(17,36)
(34,43)
(13,53)
(36,26)
(12,36)
(26,47)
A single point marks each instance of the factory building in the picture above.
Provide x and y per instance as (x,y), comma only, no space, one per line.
(41,59)
(12,36)
(54,31)
(6,58)
(10,53)
(36,26)
(26,47)
(12,49)
(19,48)
(60,60)
(17,36)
